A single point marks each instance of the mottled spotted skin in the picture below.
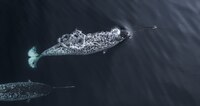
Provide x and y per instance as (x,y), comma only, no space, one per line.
(23,91)
(79,43)
(85,44)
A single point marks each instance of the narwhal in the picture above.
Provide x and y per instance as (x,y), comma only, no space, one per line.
(78,43)
(18,91)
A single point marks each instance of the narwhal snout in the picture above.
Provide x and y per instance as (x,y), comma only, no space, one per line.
(125,34)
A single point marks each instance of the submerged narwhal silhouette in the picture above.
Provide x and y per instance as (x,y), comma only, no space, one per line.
(78,43)
(25,90)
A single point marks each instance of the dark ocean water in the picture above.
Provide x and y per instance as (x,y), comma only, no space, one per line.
(154,68)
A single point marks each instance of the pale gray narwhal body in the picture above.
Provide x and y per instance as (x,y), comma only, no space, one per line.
(79,43)
(25,90)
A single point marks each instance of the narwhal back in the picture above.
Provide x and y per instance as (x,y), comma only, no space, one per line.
(23,91)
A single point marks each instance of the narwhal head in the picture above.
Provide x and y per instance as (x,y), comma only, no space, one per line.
(125,34)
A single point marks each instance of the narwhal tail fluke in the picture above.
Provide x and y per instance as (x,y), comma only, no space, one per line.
(33,57)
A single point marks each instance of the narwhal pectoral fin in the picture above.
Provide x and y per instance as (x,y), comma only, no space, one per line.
(28,100)
(104,51)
